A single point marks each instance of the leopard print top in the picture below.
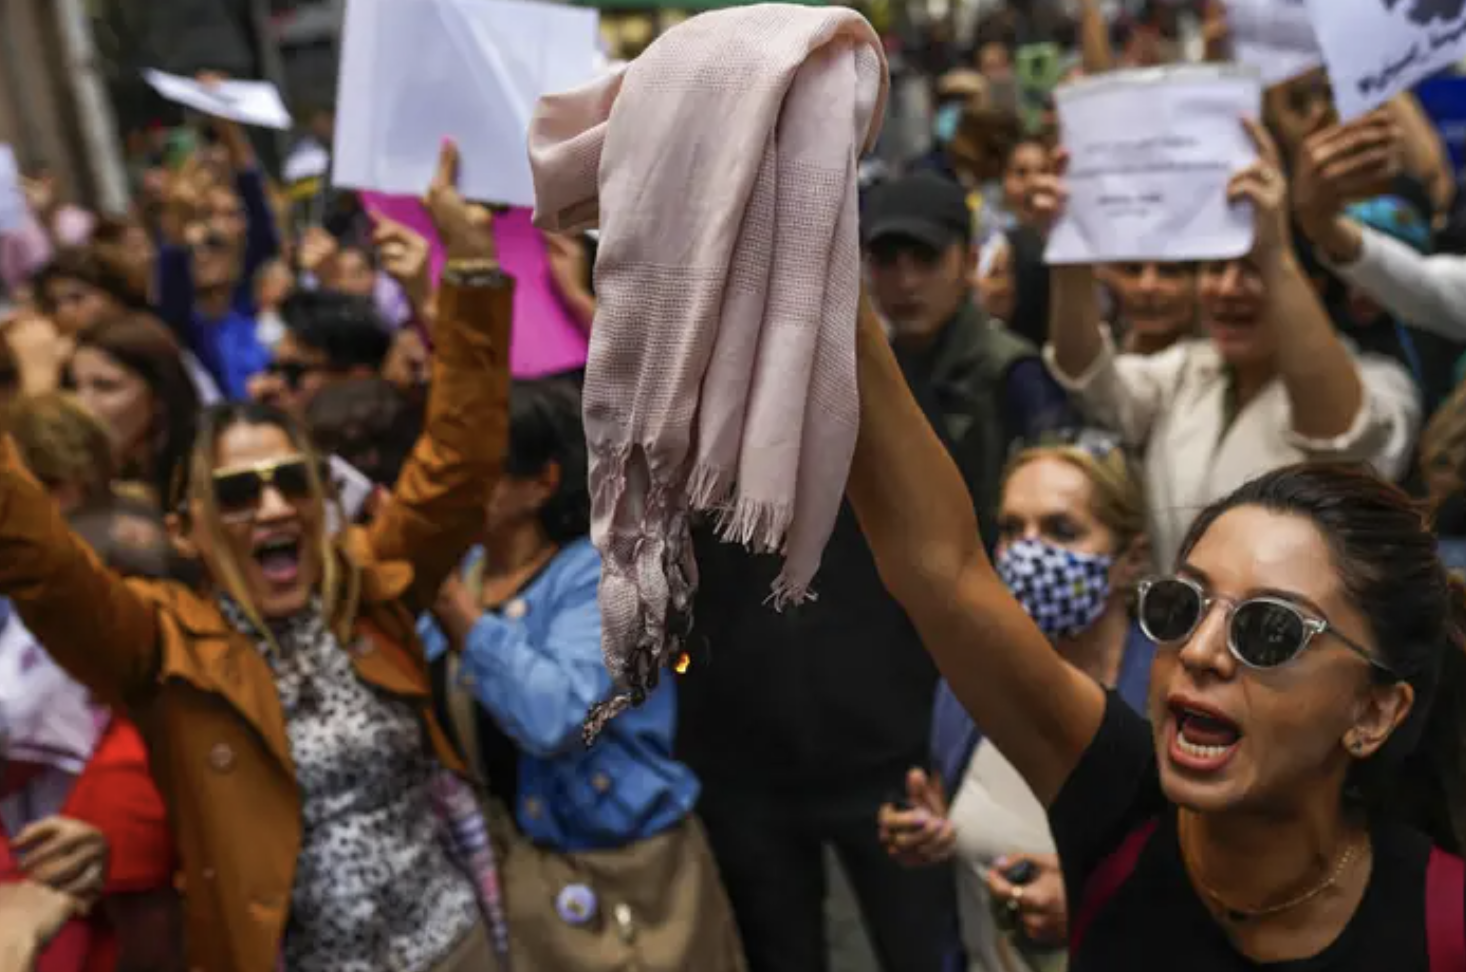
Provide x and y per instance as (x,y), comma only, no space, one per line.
(375,889)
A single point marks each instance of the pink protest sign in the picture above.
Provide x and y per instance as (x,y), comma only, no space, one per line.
(546,339)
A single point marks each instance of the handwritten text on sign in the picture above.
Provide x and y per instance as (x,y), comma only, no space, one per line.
(1376,49)
(1151,153)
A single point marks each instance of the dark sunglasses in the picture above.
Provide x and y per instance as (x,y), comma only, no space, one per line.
(238,491)
(1262,631)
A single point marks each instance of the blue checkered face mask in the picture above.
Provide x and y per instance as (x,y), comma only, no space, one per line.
(1063,591)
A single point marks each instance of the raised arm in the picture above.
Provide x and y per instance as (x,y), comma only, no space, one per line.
(1216,34)
(1425,154)
(262,237)
(1122,392)
(1096,54)
(568,272)
(1075,329)
(173,283)
(103,633)
(1355,161)
(918,519)
(1325,390)
(437,508)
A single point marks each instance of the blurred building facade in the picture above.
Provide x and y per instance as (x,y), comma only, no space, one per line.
(38,112)
(71,85)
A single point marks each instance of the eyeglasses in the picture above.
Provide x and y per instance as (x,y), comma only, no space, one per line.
(1262,632)
(239,490)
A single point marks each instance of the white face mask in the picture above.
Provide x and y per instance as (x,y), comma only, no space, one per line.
(45,717)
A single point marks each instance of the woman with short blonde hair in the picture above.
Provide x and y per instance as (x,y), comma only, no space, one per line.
(1071,547)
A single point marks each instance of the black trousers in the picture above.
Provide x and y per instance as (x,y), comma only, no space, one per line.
(770,850)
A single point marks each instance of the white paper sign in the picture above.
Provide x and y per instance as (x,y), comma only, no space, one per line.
(1376,49)
(1274,36)
(13,208)
(414,72)
(1151,153)
(247,102)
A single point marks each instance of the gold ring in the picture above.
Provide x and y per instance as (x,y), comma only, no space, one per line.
(1015,900)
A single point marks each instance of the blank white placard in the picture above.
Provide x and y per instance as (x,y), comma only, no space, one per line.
(414,72)
(1151,153)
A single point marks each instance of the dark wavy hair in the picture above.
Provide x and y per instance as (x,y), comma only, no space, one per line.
(149,350)
(1385,553)
(366,422)
(91,267)
(545,427)
(348,330)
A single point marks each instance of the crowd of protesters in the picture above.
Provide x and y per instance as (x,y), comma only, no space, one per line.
(1136,644)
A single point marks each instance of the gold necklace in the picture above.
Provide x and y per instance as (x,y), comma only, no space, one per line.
(1238,915)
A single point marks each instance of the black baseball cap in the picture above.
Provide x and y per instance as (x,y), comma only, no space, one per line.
(926,207)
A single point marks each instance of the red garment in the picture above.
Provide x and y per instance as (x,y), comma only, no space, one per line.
(115,794)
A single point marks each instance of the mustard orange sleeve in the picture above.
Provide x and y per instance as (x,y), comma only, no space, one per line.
(437,508)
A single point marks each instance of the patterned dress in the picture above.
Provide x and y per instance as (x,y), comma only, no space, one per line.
(375,888)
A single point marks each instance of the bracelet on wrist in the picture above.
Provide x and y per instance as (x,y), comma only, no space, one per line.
(475,273)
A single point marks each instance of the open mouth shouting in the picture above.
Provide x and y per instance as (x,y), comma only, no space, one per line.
(1200,738)
(278,556)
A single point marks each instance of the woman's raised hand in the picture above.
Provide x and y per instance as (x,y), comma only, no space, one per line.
(1048,195)
(317,248)
(1337,166)
(1263,184)
(467,230)
(406,258)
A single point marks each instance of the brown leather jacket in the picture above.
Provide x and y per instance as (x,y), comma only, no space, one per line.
(203,695)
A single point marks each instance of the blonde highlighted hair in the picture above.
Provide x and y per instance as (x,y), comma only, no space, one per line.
(193,496)
(1118,497)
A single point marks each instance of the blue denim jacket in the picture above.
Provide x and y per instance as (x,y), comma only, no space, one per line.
(537,675)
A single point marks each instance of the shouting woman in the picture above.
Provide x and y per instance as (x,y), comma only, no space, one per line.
(286,702)
(1295,794)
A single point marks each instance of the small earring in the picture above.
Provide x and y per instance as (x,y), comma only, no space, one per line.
(1357,747)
